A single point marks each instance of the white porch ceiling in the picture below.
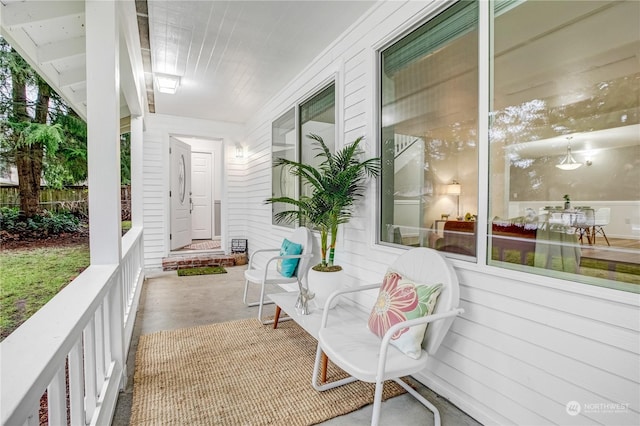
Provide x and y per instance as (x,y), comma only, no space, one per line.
(232,56)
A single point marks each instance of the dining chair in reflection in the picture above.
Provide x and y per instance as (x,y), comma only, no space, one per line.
(602,217)
(583,223)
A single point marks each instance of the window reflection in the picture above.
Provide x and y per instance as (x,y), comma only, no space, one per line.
(283,184)
(565,74)
(317,116)
(429,97)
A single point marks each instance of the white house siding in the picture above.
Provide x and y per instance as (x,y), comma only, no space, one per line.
(526,345)
(158,128)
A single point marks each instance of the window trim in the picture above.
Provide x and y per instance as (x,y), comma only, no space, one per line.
(319,88)
(485,85)
(397,33)
(570,282)
(282,113)
(308,95)
(395,36)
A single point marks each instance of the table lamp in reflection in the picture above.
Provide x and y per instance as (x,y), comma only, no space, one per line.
(455,189)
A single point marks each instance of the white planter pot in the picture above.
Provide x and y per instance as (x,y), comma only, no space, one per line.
(322,284)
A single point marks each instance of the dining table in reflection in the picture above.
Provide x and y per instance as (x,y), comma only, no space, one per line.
(557,245)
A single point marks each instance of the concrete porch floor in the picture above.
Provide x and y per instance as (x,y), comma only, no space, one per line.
(169,302)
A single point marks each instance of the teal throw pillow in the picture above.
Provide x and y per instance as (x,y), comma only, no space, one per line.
(287,267)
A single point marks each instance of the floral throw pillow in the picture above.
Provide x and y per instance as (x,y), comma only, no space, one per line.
(401,299)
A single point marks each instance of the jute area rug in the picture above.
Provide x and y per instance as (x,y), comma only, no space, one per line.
(237,373)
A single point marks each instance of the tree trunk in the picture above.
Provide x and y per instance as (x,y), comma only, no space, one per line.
(29,157)
(29,169)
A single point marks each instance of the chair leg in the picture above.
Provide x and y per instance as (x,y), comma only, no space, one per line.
(246,290)
(422,400)
(377,403)
(599,229)
(316,373)
(261,304)
(251,304)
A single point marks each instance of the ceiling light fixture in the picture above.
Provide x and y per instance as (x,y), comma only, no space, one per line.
(167,83)
(568,162)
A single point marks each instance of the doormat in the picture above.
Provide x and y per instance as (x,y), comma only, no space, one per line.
(203,245)
(205,270)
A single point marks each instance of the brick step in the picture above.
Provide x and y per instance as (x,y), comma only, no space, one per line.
(174,263)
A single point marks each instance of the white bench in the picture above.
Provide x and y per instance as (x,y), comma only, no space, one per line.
(286,301)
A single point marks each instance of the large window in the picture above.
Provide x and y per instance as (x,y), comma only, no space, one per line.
(283,145)
(566,125)
(429,134)
(563,198)
(316,115)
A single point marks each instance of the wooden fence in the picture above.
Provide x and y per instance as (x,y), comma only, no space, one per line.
(72,199)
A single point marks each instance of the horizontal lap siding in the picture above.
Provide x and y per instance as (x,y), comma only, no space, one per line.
(526,345)
(153,184)
(538,348)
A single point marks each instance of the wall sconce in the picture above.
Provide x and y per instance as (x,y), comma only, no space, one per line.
(167,83)
(239,151)
(455,189)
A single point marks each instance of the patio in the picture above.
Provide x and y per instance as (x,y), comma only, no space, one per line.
(169,302)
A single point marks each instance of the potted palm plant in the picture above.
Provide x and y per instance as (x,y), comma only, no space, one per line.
(336,183)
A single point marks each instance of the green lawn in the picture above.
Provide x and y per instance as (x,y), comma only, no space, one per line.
(29,278)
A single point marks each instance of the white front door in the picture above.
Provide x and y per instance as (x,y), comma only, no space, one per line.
(180,194)
(201,187)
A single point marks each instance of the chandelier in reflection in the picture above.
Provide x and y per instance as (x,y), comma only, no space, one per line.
(568,162)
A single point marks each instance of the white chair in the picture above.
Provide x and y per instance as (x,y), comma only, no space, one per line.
(583,223)
(366,357)
(269,275)
(602,218)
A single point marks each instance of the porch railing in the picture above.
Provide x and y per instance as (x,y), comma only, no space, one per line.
(78,341)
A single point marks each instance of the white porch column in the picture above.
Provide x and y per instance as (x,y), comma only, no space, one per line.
(103,123)
(136,171)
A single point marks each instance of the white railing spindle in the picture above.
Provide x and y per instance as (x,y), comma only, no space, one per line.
(57,398)
(89,353)
(76,386)
(100,345)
